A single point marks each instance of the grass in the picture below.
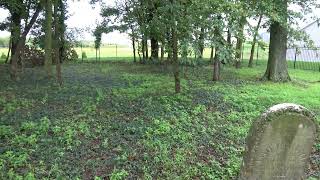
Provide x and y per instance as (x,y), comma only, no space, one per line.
(119,120)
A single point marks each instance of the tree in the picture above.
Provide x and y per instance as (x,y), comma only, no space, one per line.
(21,42)
(281,21)
(58,29)
(254,41)
(277,68)
(48,38)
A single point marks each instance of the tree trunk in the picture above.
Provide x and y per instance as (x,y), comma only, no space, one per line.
(15,31)
(21,42)
(162,52)
(201,43)
(134,47)
(254,42)
(146,48)
(140,60)
(175,60)
(240,43)
(277,68)
(62,27)
(143,50)
(154,49)
(212,53)
(9,50)
(57,42)
(229,37)
(216,66)
(48,38)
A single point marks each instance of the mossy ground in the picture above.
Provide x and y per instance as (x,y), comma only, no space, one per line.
(123,120)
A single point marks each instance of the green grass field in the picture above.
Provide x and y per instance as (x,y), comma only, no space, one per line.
(113,51)
(120,120)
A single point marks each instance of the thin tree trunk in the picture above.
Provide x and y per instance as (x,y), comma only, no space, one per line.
(20,45)
(229,37)
(134,48)
(240,43)
(154,49)
(57,42)
(9,50)
(48,38)
(96,55)
(216,66)
(162,52)
(254,42)
(140,60)
(201,43)
(62,27)
(216,60)
(212,53)
(147,48)
(176,70)
(143,50)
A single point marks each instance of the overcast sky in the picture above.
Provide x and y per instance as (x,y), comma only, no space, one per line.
(84,16)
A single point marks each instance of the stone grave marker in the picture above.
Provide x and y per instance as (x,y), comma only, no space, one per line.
(279,144)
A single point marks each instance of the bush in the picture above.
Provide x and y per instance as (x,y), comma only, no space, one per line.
(33,56)
(72,55)
(3,56)
(84,55)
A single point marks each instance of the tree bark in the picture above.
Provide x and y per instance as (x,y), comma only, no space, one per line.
(21,43)
(254,42)
(201,43)
(48,38)
(176,68)
(134,46)
(62,27)
(240,43)
(277,68)
(175,60)
(154,49)
(9,51)
(143,50)
(212,53)
(146,48)
(162,52)
(15,31)
(57,43)
(216,66)
(229,37)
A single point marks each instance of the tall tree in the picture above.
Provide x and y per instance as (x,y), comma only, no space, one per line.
(254,41)
(21,41)
(57,41)
(48,37)
(277,68)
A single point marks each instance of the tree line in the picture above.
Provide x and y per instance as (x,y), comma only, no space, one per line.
(177,27)
(174,28)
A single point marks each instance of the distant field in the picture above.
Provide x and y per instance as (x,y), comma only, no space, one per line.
(126,51)
(3,51)
(120,51)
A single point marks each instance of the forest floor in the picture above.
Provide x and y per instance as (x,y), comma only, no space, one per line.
(121,120)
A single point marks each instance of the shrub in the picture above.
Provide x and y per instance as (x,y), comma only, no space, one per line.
(84,55)
(3,56)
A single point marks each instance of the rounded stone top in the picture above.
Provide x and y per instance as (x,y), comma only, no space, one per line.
(289,107)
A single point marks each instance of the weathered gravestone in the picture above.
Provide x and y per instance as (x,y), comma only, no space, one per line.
(279,144)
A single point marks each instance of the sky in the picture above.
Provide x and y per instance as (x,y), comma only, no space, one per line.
(84,16)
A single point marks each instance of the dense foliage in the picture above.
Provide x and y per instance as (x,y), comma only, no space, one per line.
(122,121)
